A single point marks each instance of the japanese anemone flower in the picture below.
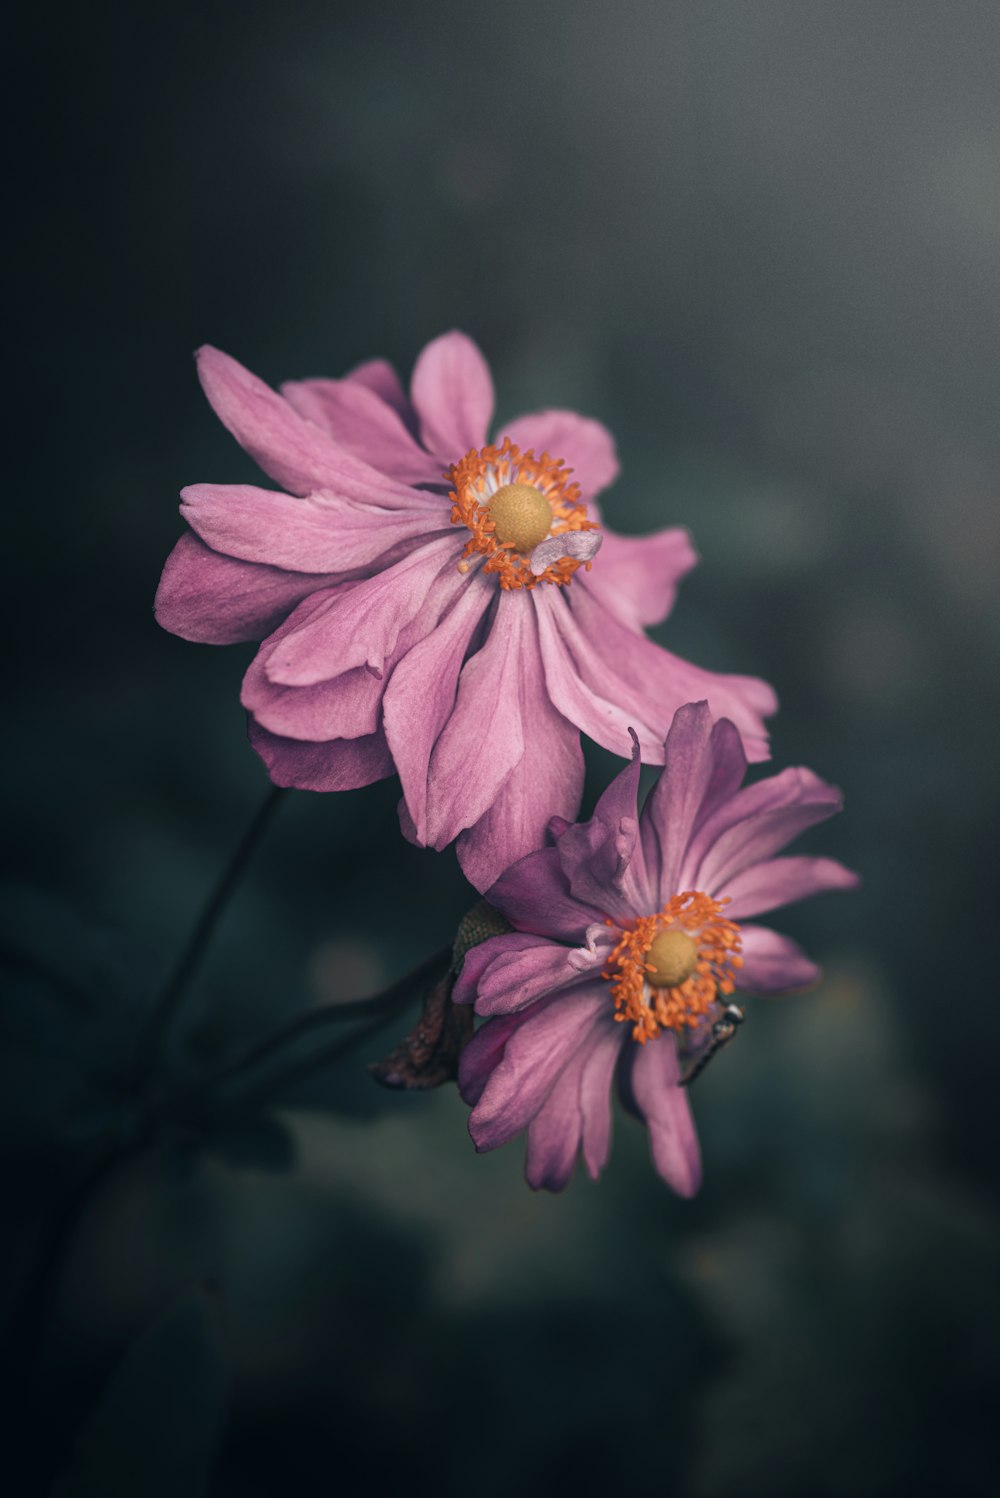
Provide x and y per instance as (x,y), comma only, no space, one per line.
(411,585)
(630,933)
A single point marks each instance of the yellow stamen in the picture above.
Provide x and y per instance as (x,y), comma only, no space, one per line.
(667,970)
(521,516)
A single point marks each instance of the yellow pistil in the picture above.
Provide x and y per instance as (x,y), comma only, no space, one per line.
(510,502)
(667,970)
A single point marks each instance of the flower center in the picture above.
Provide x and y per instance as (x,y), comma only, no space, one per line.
(521,516)
(511,502)
(667,970)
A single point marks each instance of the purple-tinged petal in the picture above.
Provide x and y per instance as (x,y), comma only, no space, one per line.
(534,895)
(782,881)
(518,975)
(361,423)
(648,680)
(478,958)
(581,443)
(576,1112)
(584,695)
(360,623)
(293,451)
(673,804)
(483,1054)
(804,800)
(582,546)
(421,693)
(483,738)
(318,533)
(343,765)
(548,1037)
(452,392)
(602,859)
(654,1075)
(219,601)
(636,578)
(546,781)
(379,375)
(773,964)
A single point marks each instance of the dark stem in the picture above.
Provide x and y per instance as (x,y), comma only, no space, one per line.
(187,964)
(290,1031)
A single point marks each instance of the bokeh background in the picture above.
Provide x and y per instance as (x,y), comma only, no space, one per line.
(762,242)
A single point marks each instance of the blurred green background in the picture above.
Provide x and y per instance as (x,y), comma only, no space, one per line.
(762,243)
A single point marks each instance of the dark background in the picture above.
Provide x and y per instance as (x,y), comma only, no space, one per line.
(762,243)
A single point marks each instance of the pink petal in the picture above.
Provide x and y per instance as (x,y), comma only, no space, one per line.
(379,375)
(483,1055)
(482,740)
(782,881)
(583,445)
(602,858)
(360,622)
(577,1111)
(478,958)
(534,895)
(452,392)
(361,423)
(518,975)
(647,679)
(636,577)
(293,451)
(773,964)
(675,801)
(318,533)
(790,803)
(218,601)
(343,765)
(655,1072)
(345,707)
(546,781)
(544,1042)
(582,546)
(421,694)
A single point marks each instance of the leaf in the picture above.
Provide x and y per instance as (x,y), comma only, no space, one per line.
(154,1431)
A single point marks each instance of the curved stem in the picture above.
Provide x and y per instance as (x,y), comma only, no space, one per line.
(187,963)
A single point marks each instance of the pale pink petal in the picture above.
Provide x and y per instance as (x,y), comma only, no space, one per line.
(595,1094)
(548,1037)
(581,546)
(581,443)
(546,781)
(217,600)
(421,694)
(318,533)
(782,881)
(636,577)
(361,423)
(360,623)
(673,1142)
(483,1054)
(343,765)
(673,804)
(293,451)
(483,738)
(452,392)
(773,964)
(379,375)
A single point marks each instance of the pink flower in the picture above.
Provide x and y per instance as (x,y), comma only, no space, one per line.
(411,585)
(630,933)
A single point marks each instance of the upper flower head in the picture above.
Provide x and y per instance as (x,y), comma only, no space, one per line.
(432,602)
(630,932)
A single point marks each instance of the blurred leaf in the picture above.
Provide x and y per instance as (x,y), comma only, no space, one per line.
(154,1432)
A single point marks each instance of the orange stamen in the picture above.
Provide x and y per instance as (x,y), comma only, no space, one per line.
(650,1009)
(477,477)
